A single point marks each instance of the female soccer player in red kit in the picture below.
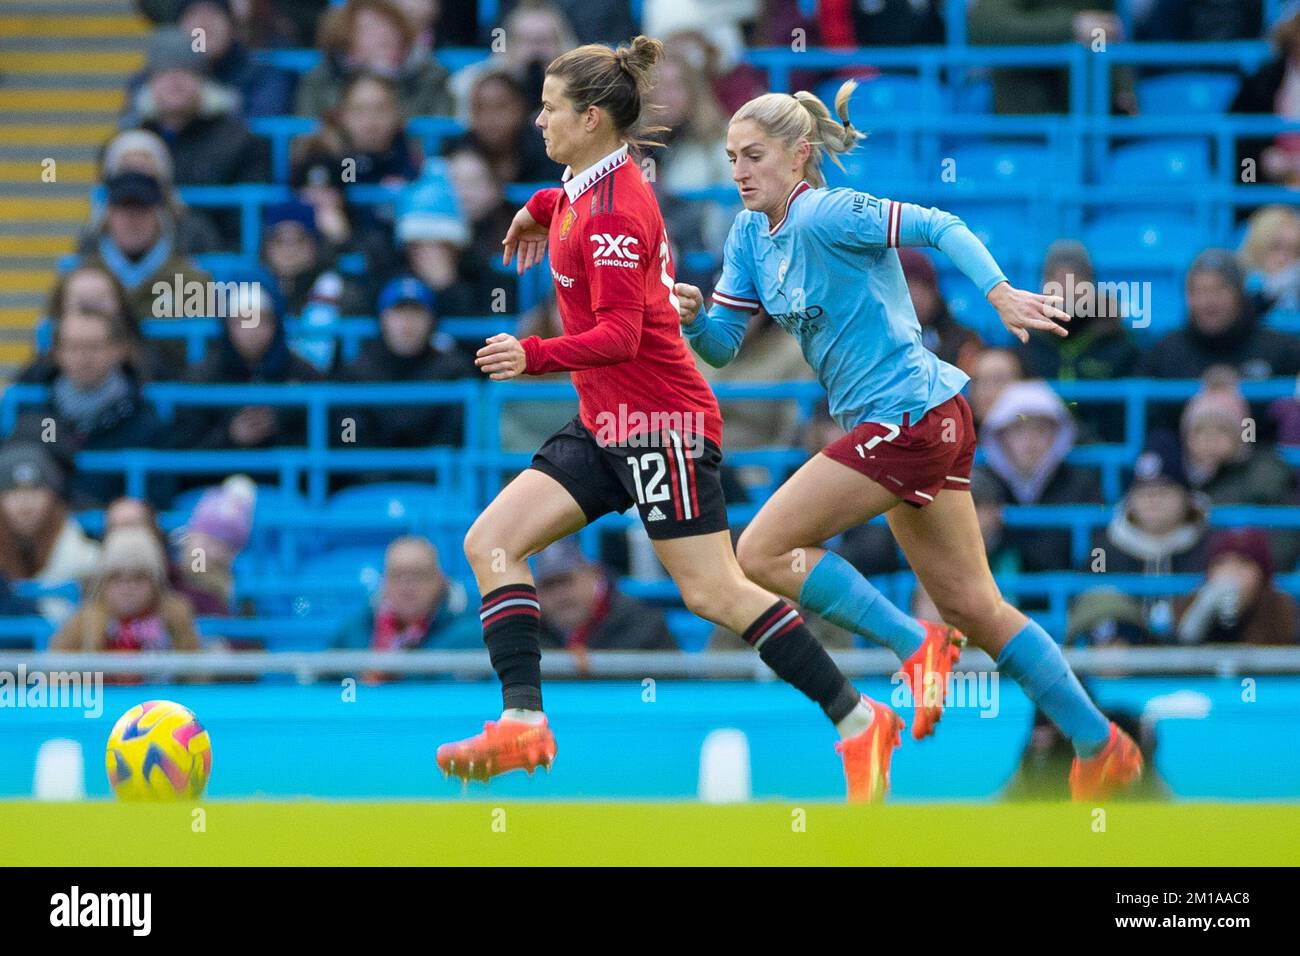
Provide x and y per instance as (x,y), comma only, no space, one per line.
(648,430)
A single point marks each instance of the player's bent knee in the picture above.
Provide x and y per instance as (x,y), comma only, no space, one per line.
(754,558)
(483,543)
(971,611)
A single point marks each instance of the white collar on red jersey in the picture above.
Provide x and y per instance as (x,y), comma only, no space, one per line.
(593,174)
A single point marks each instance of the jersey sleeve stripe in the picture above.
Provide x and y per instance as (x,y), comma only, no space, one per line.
(734,301)
(895,217)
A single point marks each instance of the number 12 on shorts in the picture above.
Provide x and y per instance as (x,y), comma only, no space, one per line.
(649,474)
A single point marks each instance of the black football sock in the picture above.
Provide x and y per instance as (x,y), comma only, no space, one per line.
(785,645)
(511,620)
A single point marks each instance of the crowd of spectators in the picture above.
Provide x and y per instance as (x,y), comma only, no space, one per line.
(434,252)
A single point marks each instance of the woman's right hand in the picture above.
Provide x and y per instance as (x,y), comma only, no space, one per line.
(526,240)
(689,301)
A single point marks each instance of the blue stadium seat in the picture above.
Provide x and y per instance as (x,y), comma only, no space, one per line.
(866,167)
(1166,161)
(1186,93)
(1126,240)
(972,96)
(1004,162)
(393,499)
(884,95)
(336,583)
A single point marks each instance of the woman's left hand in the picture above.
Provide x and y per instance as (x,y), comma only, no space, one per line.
(501,358)
(1021,311)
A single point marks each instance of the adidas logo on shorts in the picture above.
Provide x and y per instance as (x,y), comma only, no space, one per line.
(656,515)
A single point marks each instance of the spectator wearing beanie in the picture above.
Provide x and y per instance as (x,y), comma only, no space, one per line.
(1160,525)
(199,121)
(1222,329)
(940,332)
(1098,346)
(214,536)
(1220,461)
(1238,603)
(138,150)
(301,262)
(408,349)
(1026,437)
(131,608)
(136,241)
(432,237)
(40,540)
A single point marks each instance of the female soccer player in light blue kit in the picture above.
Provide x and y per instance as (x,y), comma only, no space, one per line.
(823,263)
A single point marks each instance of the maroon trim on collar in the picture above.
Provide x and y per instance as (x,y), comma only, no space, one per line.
(798,190)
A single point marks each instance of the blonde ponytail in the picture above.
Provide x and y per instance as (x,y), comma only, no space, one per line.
(804,116)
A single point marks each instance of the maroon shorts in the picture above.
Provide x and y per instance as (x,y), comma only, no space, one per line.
(914,461)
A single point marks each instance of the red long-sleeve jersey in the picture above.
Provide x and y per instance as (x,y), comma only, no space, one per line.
(613,278)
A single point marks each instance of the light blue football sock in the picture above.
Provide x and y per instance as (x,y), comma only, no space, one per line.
(838,592)
(1035,662)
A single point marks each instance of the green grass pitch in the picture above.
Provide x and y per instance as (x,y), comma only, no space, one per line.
(481,832)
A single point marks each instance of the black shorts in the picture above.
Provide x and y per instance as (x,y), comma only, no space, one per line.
(676,486)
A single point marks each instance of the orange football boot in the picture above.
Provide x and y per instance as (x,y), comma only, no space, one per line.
(504,745)
(927,674)
(1108,772)
(867,755)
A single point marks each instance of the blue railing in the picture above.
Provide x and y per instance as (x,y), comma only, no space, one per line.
(483,404)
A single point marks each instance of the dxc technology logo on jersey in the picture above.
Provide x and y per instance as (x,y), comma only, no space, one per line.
(615,250)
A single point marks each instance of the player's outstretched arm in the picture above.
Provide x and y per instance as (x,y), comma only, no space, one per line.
(714,334)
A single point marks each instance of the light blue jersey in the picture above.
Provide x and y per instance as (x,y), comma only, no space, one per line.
(829,273)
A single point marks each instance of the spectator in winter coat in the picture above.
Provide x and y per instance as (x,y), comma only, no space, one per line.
(141,151)
(1221,329)
(1160,525)
(373,36)
(253,349)
(95,404)
(501,129)
(1098,347)
(1238,603)
(418,607)
(993,370)
(408,349)
(582,609)
(131,607)
(1226,462)
(433,239)
(137,243)
(199,121)
(1025,438)
(40,540)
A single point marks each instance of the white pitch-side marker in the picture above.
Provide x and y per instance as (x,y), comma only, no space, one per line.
(60,771)
(724,767)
